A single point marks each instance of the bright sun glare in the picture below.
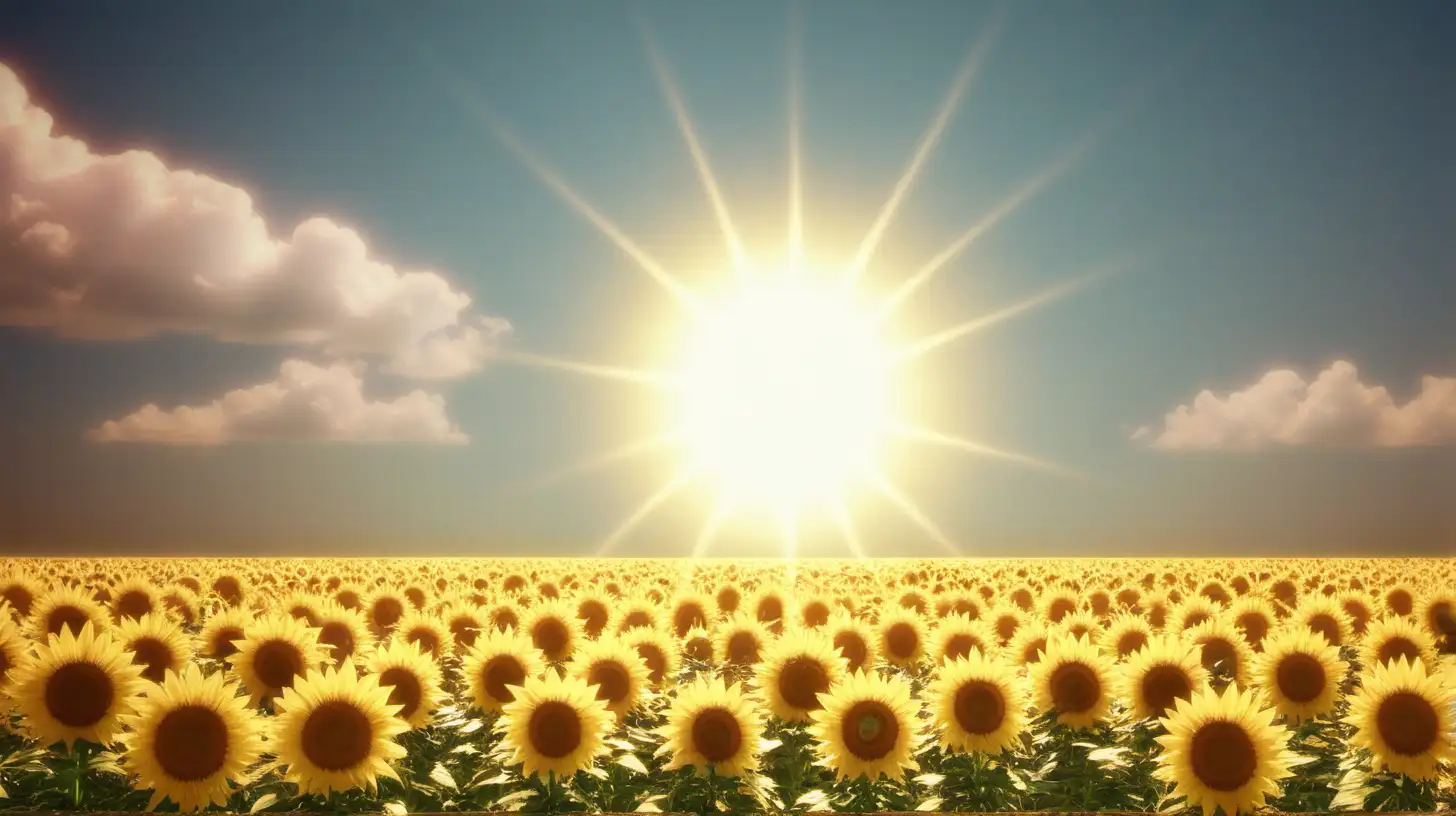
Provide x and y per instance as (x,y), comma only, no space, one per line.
(784,392)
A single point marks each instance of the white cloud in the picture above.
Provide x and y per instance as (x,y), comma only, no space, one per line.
(307,403)
(107,247)
(1335,410)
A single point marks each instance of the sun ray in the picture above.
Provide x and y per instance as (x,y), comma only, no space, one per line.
(645,509)
(928,344)
(932,437)
(845,524)
(948,107)
(913,512)
(640,376)
(722,509)
(673,95)
(603,460)
(1011,204)
(796,123)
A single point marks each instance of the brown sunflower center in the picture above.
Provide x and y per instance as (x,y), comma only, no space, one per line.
(655,659)
(1075,688)
(228,589)
(191,743)
(1192,619)
(426,639)
(155,655)
(979,707)
(337,736)
(1218,652)
(801,682)
(66,617)
(743,648)
(79,694)
(770,609)
(1254,625)
(1131,642)
(405,690)
(1060,608)
(348,598)
(1396,648)
(386,612)
(498,673)
(1359,616)
(505,619)
(133,604)
(1032,652)
(1408,723)
(687,617)
(1006,626)
(1400,602)
(554,729)
(854,649)
(728,599)
(1223,756)
(593,616)
(816,614)
(1301,677)
(338,635)
(19,598)
(303,613)
(699,649)
(960,645)
(716,735)
(1163,686)
(870,730)
(276,663)
(464,630)
(901,641)
(611,679)
(222,641)
(636,618)
(551,636)
(1326,625)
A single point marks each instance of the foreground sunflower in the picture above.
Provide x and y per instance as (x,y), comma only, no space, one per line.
(979,705)
(853,639)
(67,607)
(191,736)
(1390,638)
(1301,672)
(796,669)
(555,725)
(1072,680)
(156,643)
(274,652)
(868,727)
(614,670)
(498,662)
(336,731)
(75,687)
(1224,751)
(1157,676)
(412,677)
(1403,714)
(714,726)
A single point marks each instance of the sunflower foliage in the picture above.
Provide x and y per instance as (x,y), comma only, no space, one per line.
(1074,773)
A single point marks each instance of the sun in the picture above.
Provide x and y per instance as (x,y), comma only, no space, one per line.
(784,392)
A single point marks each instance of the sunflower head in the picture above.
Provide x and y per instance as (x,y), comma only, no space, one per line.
(412,677)
(1403,714)
(1157,676)
(1301,673)
(712,725)
(869,726)
(497,664)
(275,652)
(155,643)
(979,705)
(1072,680)
(336,731)
(1224,751)
(796,669)
(554,725)
(75,687)
(614,670)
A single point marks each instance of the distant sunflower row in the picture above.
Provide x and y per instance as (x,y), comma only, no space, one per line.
(459,684)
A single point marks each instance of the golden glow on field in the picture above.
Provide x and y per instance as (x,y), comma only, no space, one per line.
(785,396)
(784,392)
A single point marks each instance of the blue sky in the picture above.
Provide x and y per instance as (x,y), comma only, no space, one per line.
(1282,170)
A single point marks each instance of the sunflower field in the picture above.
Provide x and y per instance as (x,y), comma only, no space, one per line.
(574,685)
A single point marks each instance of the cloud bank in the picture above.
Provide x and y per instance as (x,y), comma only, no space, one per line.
(111,247)
(1333,410)
(306,403)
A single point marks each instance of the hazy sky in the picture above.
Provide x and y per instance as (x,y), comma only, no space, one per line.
(288,229)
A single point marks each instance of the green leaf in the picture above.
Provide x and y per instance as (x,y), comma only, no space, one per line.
(471,727)
(632,763)
(442,776)
(622,745)
(395,808)
(812,798)
(930,780)
(766,745)
(263,802)
(467,748)
(648,807)
(519,796)
(1106,754)
(933,803)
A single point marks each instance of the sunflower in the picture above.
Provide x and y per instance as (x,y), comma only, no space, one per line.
(1224,751)
(1358,606)
(1127,634)
(343,633)
(979,704)
(691,610)
(1254,617)
(1005,621)
(1027,645)
(594,610)
(767,606)
(191,735)
(697,646)
(1403,715)
(714,726)
(1400,600)
(869,726)
(67,607)
(157,644)
(1437,613)
(1071,679)
(957,636)
(1324,615)
(274,652)
(1082,624)
(219,636)
(814,611)
(465,623)
(231,588)
(657,650)
(741,640)
(133,598)
(1192,612)
(853,639)
(75,687)
(1301,673)
(901,636)
(424,630)
(383,609)
(181,604)
(20,591)
(633,613)
(1057,604)
(336,730)
(1160,674)
(412,677)
(13,648)
(554,628)
(796,669)
(1223,650)
(498,662)
(554,725)
(614,670)
(1387,639)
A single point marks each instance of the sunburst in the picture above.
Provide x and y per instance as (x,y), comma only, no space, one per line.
(789,385)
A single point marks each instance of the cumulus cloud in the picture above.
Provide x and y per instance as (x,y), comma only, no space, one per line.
(1334,410)
(107,247)
(306,403)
